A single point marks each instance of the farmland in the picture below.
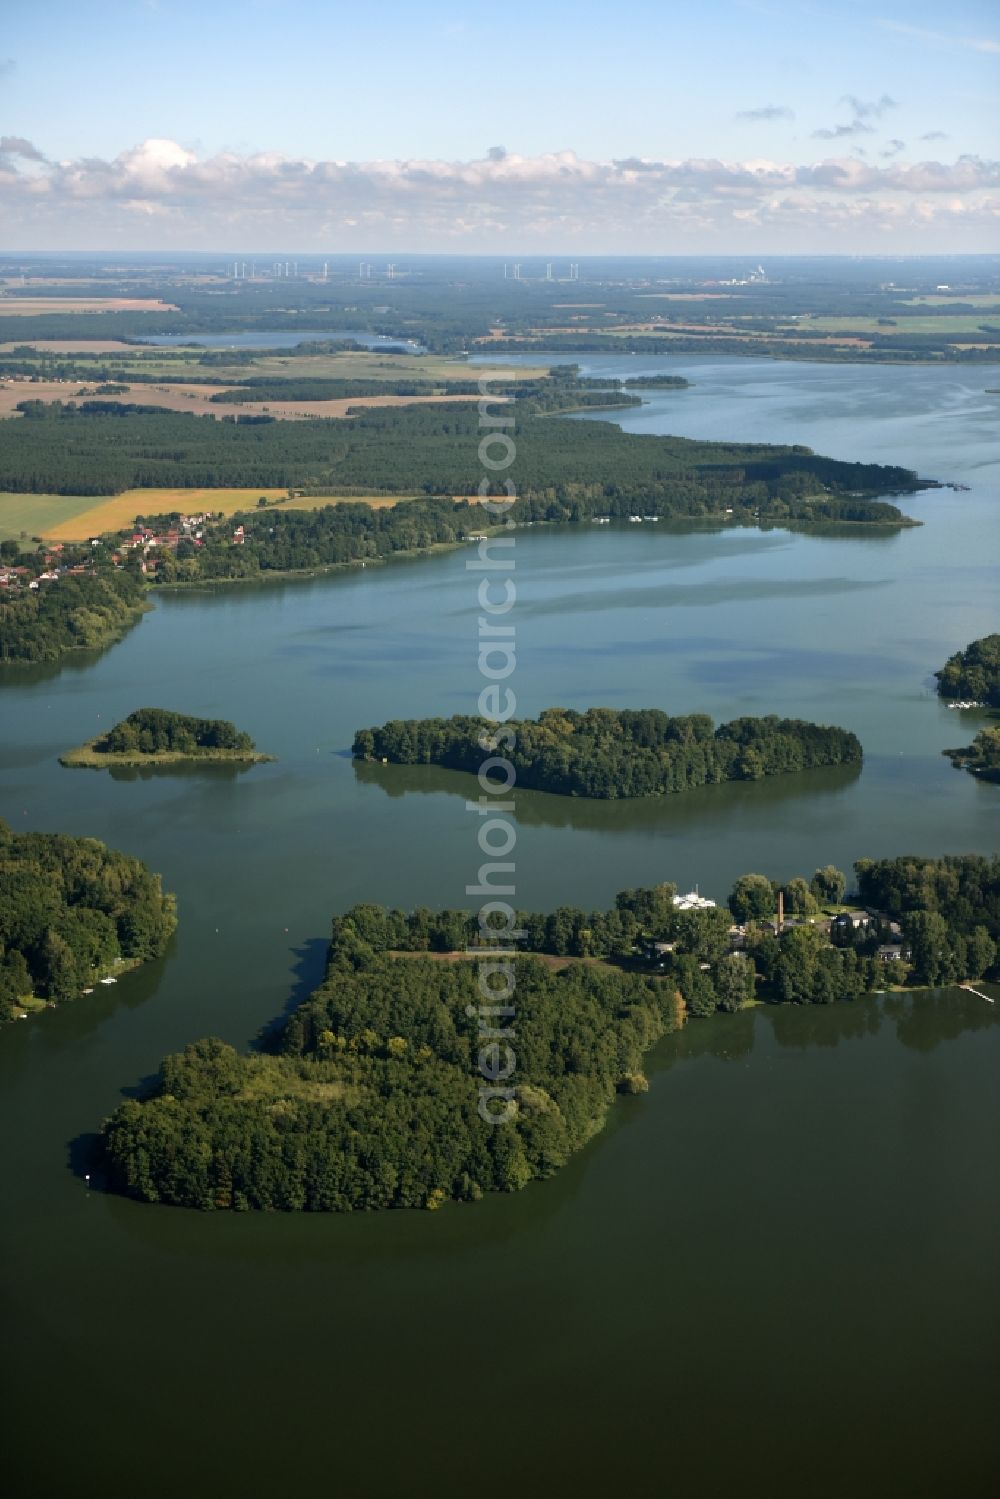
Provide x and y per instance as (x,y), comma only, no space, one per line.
(175,396)
(36,306)
(58,517)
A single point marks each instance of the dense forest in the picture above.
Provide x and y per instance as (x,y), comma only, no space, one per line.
(338,388)
(75,612)
(368,1095)
(153,732)
(373,1100)
(72,909)
(564,469)
(612,753)
(949,908)
(563,389)
(973,674)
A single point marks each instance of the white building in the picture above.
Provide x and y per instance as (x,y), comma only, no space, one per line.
(693,902)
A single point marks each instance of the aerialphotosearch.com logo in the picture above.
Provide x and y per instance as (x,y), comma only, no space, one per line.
(496,835)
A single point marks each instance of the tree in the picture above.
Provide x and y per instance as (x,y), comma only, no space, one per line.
(734,981)
(752,898)
(981,953)
(927,932)
(828,885)
(57,970)
(695,987)
(799,899)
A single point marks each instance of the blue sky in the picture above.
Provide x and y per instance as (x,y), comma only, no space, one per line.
(879,84)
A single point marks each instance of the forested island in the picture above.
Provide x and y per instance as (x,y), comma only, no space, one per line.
(973,675)
(368,1095)
(155,736)
(610,753)
(657,382)
(71,911)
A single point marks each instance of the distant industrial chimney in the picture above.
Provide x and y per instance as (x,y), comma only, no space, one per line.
(781,909)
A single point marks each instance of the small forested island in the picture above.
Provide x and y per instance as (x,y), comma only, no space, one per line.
(657,382)
(369,1095)
(609,753)
(155,736)
(981,757)
(72,911)
(973,675)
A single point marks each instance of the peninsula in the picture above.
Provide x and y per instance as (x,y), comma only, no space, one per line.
(73,913)
(982,757)
(972,675)
(367,1097)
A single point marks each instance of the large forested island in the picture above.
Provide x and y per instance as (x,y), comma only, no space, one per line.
(609,753)
(369,1096)
(156,736)
(72,911)
(973,675)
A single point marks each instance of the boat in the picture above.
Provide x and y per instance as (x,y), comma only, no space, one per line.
(109,980)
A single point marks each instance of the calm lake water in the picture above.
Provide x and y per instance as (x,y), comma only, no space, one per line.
(776,1271)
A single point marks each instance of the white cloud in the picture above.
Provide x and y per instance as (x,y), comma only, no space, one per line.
(864,109)
(554,199)
(767,112)
(941,38)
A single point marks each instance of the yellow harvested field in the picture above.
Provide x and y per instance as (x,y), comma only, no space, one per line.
(113,512)
(70,345)
(301,410)
(13,393)
(176,396)
(35,306)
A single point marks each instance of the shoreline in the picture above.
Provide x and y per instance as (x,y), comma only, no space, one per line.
(85,757)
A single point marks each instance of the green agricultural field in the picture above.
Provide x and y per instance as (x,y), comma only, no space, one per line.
(182,366)
(987,300)
(944,323)
(354,366)
(26,515)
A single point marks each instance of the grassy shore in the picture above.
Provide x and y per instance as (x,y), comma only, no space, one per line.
(89,758)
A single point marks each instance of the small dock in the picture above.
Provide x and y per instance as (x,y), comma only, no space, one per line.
(978,993)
